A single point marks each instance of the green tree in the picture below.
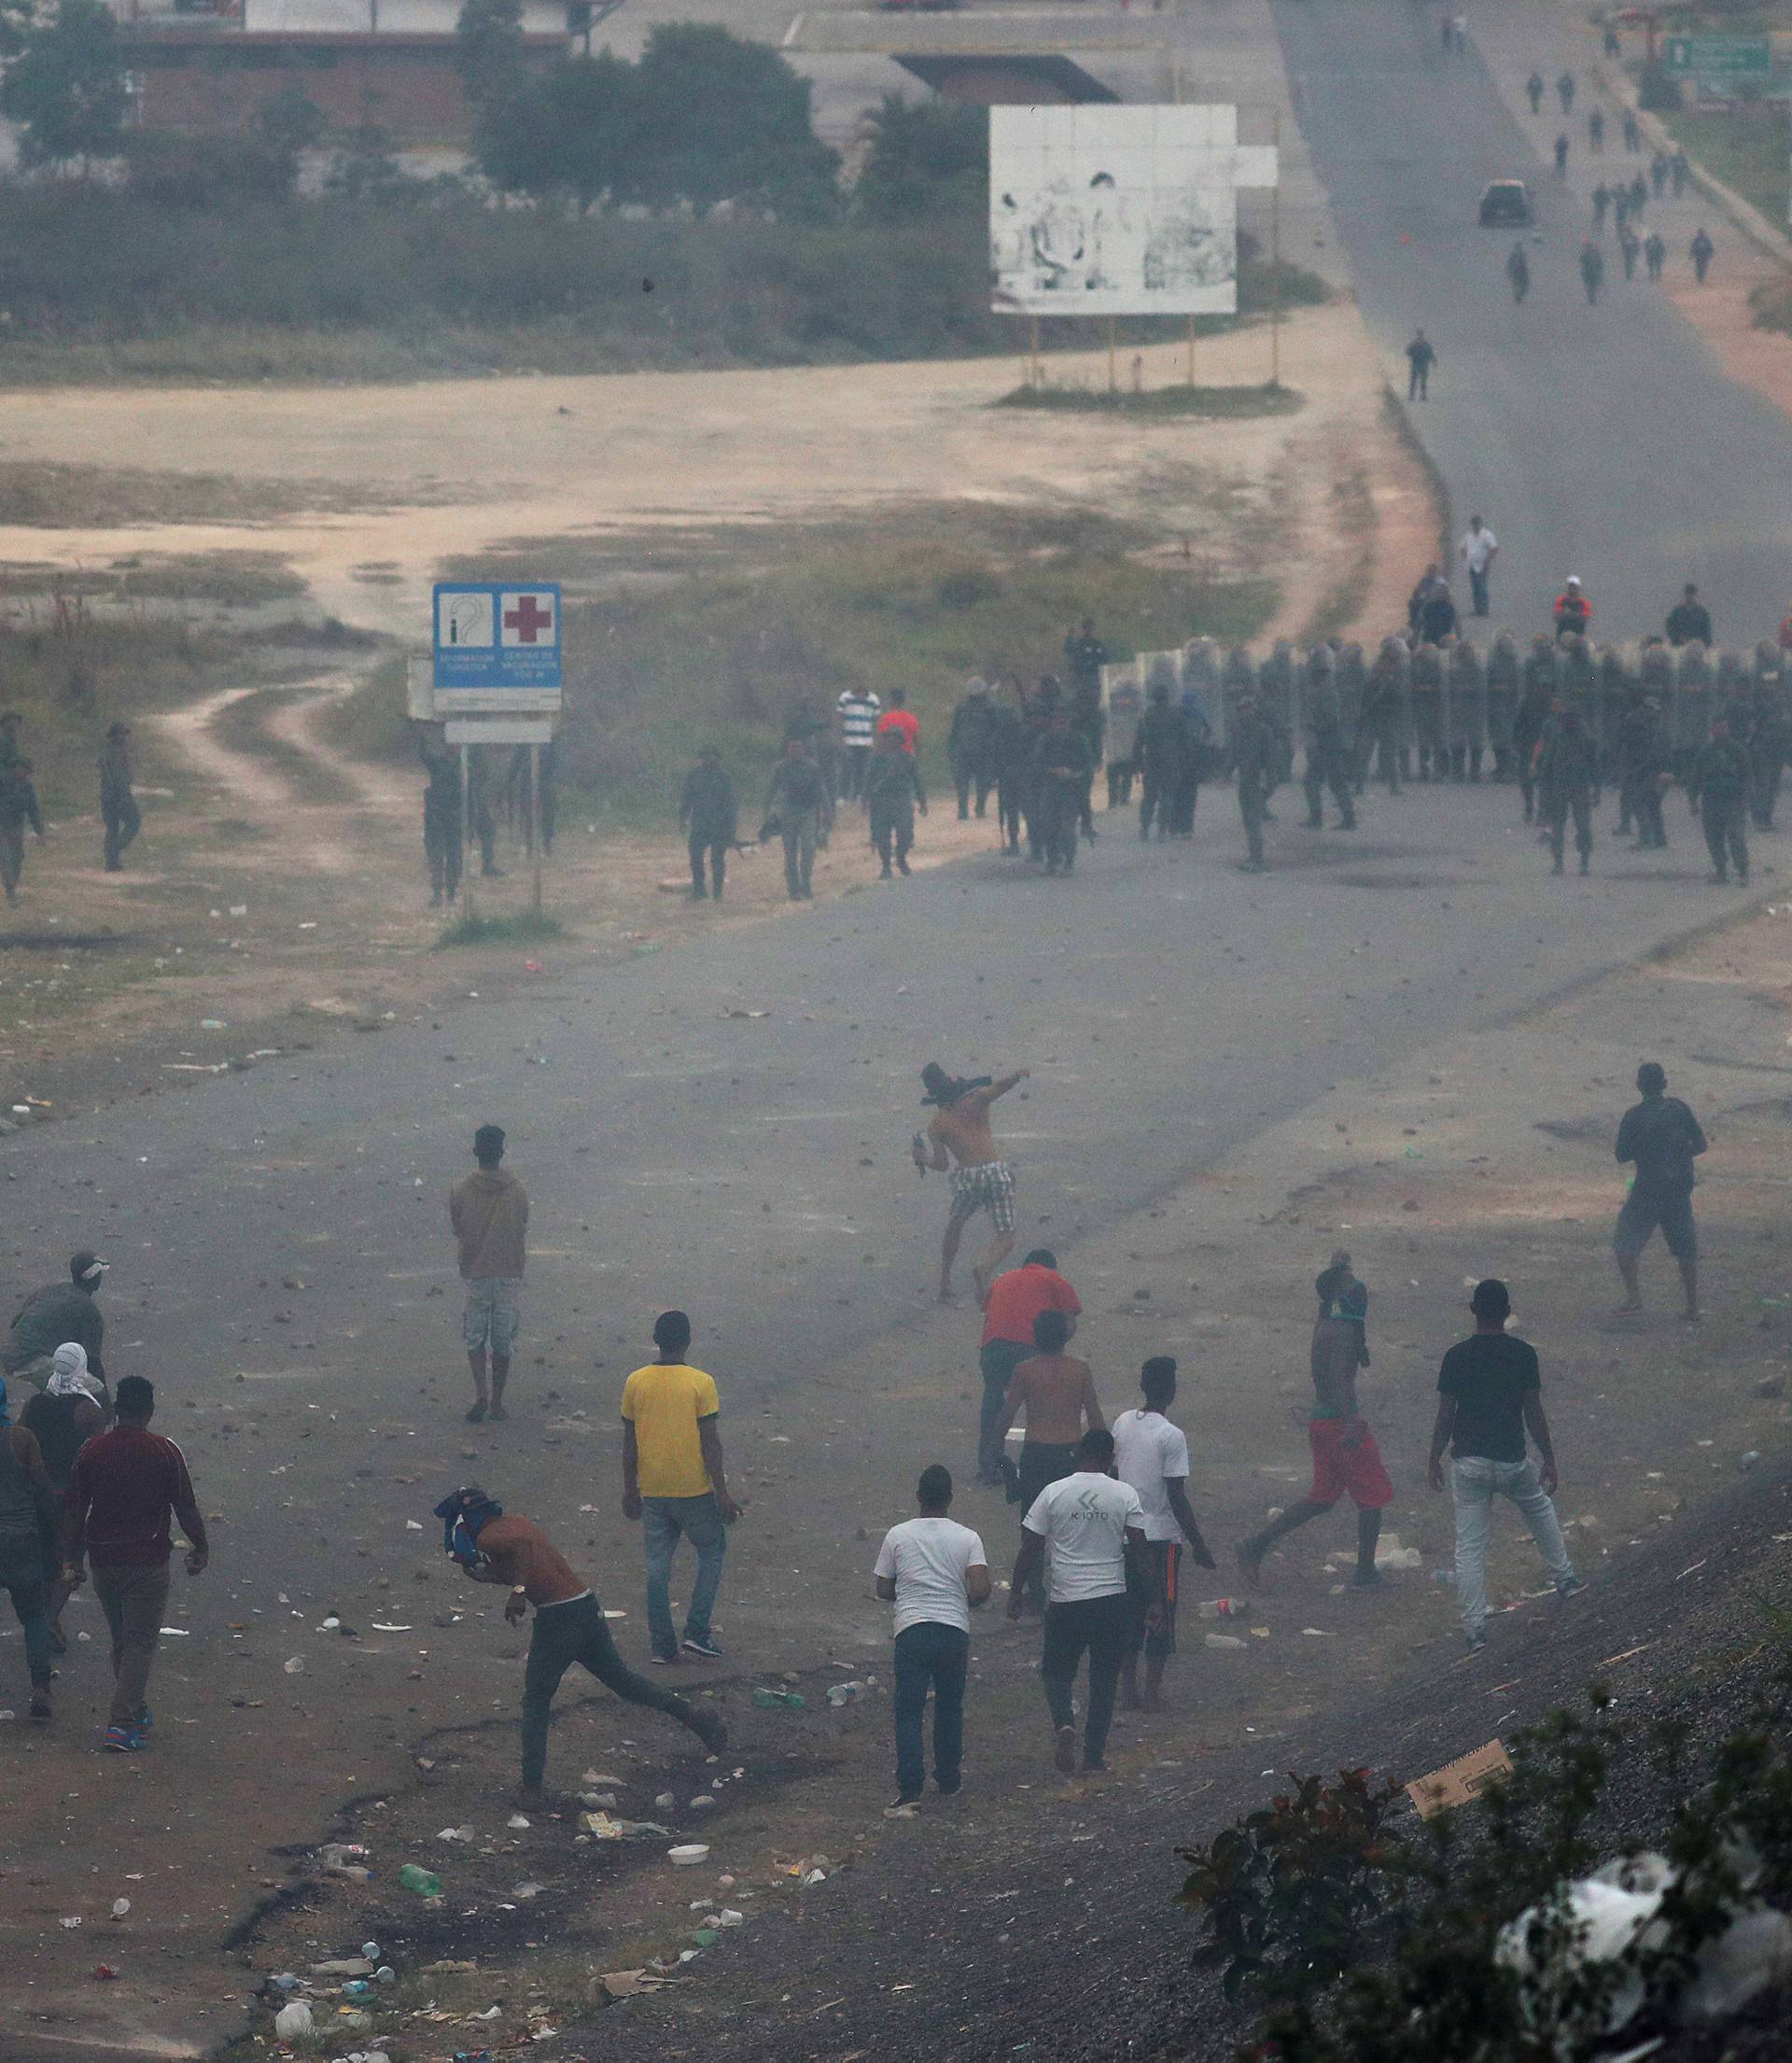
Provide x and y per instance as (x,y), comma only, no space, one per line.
(65,89)
(925,159)
(565,134)
(488,51)
(722,119)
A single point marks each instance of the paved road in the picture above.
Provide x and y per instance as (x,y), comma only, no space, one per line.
(1601,441)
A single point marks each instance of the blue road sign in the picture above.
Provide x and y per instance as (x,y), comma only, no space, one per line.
(491,636)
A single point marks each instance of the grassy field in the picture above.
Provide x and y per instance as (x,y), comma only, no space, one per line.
(725,648)
(1746,149)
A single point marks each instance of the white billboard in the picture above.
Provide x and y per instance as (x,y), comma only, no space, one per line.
(1117,210)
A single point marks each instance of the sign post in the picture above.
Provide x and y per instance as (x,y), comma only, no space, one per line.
(496,678)
(1719,60)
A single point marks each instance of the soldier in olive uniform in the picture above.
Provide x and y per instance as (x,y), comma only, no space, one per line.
(1568,776)
(18,808)
(893,793)
(710,818)
(1505,671)
(118,805)
(1256,756)
(1721,783)
(1062,771)
(1768,739)
(1428,664)
(1160,760)
(970,744)
(1328,759)
(441,827)
(1530,717)
(799,801)
(1384,714)
(1008,748)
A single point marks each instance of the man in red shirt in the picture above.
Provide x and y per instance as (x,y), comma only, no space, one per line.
(125,1486)
(899,718)
(1573,612)
(1011,1304)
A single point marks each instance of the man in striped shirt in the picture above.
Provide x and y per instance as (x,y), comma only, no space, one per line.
(857,710)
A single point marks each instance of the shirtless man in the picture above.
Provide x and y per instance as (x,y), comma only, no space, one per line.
(982,1180)
(1345,1455)
(1057,1393)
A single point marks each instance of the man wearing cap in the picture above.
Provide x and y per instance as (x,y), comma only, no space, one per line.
(58,1312)
(489,1212)
(1573,613)
(118,805)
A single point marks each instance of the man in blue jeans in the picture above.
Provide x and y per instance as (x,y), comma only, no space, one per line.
(674,1482)
(1489,1396)
(933,1571)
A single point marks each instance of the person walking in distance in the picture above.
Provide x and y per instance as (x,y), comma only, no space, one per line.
(709,819)
(674,1482)
(58,1313)
(1257,760)
(1534,91)
(515,1553)
(1014,1298)
(1592,269)
(1602,201)
(1561,157)
(18,808)
(1565,91)
(1719,786)
(1661,1139)
(797,803)
(855,711)
(118,807)
(1093,1528)
(971,746)
(1518,270)
(1345,1455)
(1629,246)
(1420,356)
(442,830)
(1680,168)
(61,1418)
(1596,128)
(1568,782)
(1162,742)
(982,1180)
(29,1534)
(1489,1396)
(935,1572)
(124,1489)
(1151,1454)
(488,1213)
(1655,256)
(1062,769)
(893,793)
(1328,759)
(1478,551)
(900,719)
(1702,250)
(1055,1392)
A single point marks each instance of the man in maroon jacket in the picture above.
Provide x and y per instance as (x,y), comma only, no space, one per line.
(125,1487)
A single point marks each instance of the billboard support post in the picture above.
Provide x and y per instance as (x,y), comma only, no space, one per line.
(1113,379)
(467,909)
(1275,256)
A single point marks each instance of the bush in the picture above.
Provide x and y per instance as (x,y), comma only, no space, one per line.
(924,159)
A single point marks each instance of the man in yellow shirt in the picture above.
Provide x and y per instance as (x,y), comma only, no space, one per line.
(674,1482)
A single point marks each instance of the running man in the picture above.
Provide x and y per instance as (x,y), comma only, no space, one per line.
(1151,1454)
(1345,1455)
(982,1180)
(1095,1528)
(568,1625)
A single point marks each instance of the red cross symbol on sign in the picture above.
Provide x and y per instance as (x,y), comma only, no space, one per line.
(528,619)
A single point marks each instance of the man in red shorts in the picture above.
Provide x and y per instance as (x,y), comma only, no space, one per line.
(1345,1455)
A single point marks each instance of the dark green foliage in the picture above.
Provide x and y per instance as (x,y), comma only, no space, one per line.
(65,89)
(925,158)
(1658,91)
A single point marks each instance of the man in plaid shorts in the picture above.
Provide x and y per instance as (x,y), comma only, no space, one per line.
(982,1180)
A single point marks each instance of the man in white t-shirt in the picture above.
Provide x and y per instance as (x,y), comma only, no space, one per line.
(1095,1528)
(933,1570)
(1151,1454)
(857,710)
(1479,549)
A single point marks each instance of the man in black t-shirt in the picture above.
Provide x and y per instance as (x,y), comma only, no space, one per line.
(1661,1136)
(1489,1396)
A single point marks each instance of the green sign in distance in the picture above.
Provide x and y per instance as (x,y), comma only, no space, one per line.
(1719,57)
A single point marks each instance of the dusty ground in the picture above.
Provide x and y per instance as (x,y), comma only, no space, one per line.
(458,466)
(1494,1145)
